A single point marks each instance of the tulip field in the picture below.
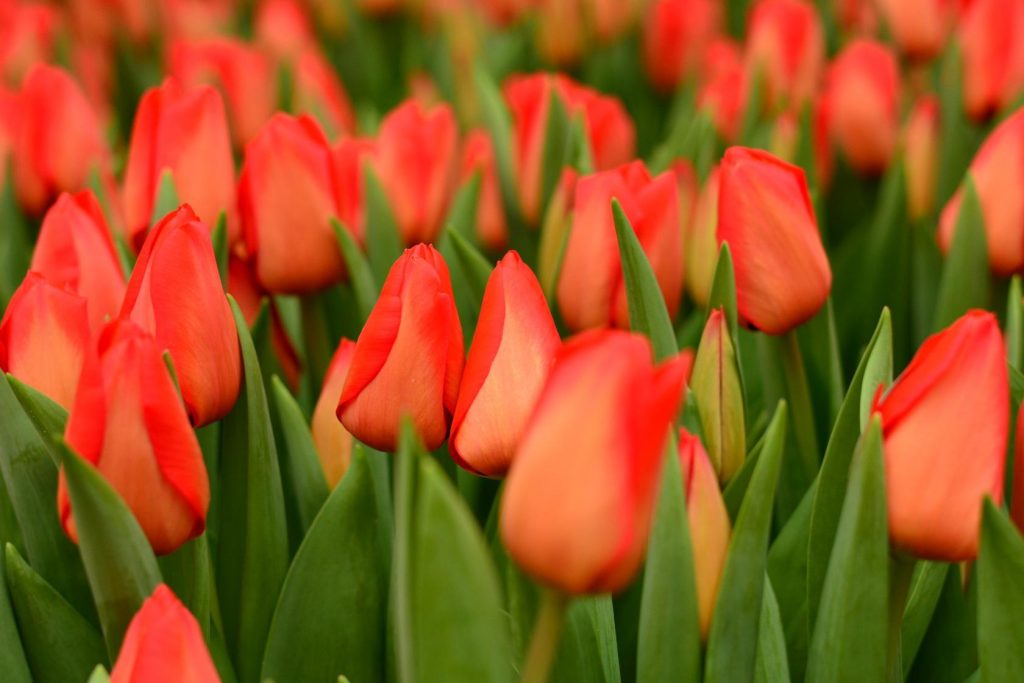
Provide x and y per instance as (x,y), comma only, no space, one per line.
(484,341)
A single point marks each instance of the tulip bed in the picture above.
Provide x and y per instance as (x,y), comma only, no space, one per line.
(491,340)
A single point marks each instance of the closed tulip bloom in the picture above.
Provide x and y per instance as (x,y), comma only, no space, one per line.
(786,46)
(721,92)
(708,520)
(75,251)
(44,338)
(765,215)
(184,132)
(676,34)
(333,442)
(701,247)
(319,92)
(945,424)
(919,27)
(998,172)
(591,292)
(921,155)
(27,32)
(175,294)
(579,498)
(408,359)
(282,28)
(128,421)
(164,644)
(478,158)
(512,351)
(991,36)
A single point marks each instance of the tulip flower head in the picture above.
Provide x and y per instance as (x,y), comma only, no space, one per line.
(920,27)
(921,154)
(333,442)
(676,33)
(991,38)
(786,50)
(478,158)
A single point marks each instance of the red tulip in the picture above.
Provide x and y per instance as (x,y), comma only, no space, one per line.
(333,442)
(764,212)
(560,33)
(512,350)
(348,156)
(282,28)
(76,252)
(27,32)
(945,423)
(164,644)
(478,157)
(579,498)
(44,338)
(591,292)
(128,421)
(722,84)
(921,154)
(919,27)
(676,34)
(786,46)
(408,358)
(175,294)
(992,43)
(319,92)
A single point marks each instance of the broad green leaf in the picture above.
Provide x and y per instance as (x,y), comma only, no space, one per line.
(99,675)
(12,654)
(787,570)
(462,215)
(925,590)
(221,247)
(949,651)
(556,150)
(15,246)
(360,275)
(189,574)
(1014,324)
(819,342)
(383,242)
(48,416)
(475,265)
(772,665)
(736,490)
(732,642)
(965,280)
(498,123)
(1000,597)
(167,199)
(331,617)
(252,544)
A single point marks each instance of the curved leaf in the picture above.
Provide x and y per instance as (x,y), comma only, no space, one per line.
(360,275)
(965,280)
(1000,597)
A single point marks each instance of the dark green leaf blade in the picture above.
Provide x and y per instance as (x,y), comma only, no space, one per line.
(965,280)
(360,275)
(1000,597)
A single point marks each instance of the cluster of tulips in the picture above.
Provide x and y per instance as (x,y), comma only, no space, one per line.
(492,340)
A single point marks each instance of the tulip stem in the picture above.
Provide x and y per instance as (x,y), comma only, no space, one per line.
(546,634)
(901,571)
(801,408)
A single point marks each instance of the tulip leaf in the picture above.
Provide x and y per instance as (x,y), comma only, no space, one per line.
(499,124)
(949,650)
(723,290)
(787,570)
(189,574)
(849,641)
(118,559)
(736,489)
(60,644)
(252,544)
(470,271)
(925,591)
(221,247)
(12,654)
(819,342)
(360,275)
(556,150)
(99,675)
(15,247)
(166,199)
(965,280)
(732,642)
(383,241)
(462,215)
(1000,597)
(772,665)
(1015,324)
(48,416)
(669,626)
(475,265)
(648,314)
(340,572)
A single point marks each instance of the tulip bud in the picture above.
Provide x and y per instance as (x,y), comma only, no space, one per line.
(919,27)
(319,92)
(709,524)
(408,359)
(333,442)
(786,50)
(26,38)
(478,157)
(128,421)
(921,156)
(945,423)
(591,292)
(282,28)
(701,250)
(560,31)
(998,174)
(512,350)
(163,644)
(719,394)
(175,294)
(186,133)
(992,44)
(579,498)
(76,252)
(863,92)
(44,338)
(721,93)
(765,214)
(676,33)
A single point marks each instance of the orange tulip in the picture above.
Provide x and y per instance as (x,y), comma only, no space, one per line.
(722,83)
(998,174)
(333,442)
(282,28)
(408,359)
(921,155)
(128,421)
(786,47)
(676,34)
(701,247)
(591,292)
(164,644)
(75,251)
(512,350)
(764,212)
(478,157)
(44,338)
(319,92)
(579,498)
(919,27)
(945,423)
(175,294)
(992,43)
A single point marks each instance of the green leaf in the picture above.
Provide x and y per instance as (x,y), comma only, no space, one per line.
(965,280)
(166,200)
(15,247)
(189,574)
(587,650)
(474,264)
(383,242)
(787,570)
(48,416)
(723,290)
(118,559)
(925,591)
(556,151)
(949,651)
(498,123)
(736,490)
(732,642)
(1014,324)
(99,675)
(331,617)
(360,275)
(12,655)
(252,544)
(1000,597)
(461,217)
(647,312)
(470,272)
(819,342)
(60,645)
(849,641)
(221,247)
(772,665)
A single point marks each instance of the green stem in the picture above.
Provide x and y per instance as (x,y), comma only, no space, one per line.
(546,634)
(314,332)
(901,571)
(801,408)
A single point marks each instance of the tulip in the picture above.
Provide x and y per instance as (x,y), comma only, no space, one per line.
(128,421)
(786,50)
(319,92)
(27,32)
(765,214)
(347,160)
(175,294)
(44,338)
(164,644)
(676,34)
(416,161)
(863,91)
(945,425)
(478,157)
(701,247)
(579,498)
(76,252)
(282,28)
(508,362)
(708,522)
(184,132)
(919,27)
(591,292)
(408,359)
(858,17)
(333,442)
(921,156)
(560,31)
(721,91)
(59,139)
(998,173)
(992,44)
